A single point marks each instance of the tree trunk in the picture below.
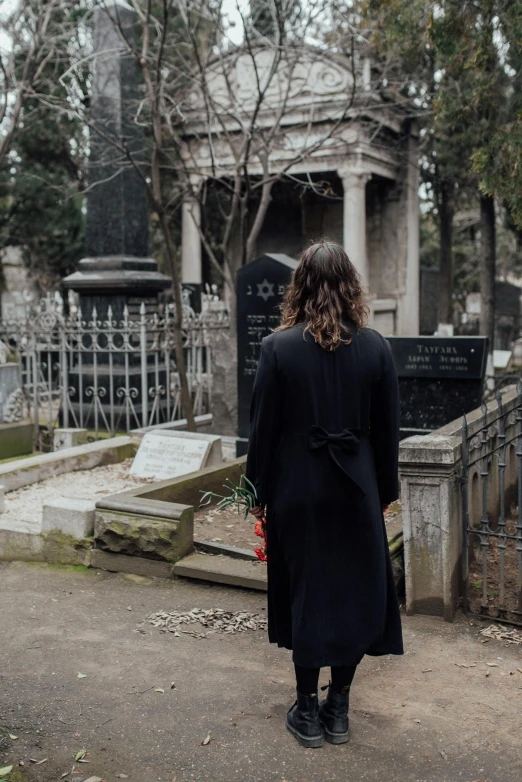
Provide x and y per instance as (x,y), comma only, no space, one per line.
(487,269)
(446,212)
(186,399)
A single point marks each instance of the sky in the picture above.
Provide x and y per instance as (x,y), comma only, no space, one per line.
(230,10)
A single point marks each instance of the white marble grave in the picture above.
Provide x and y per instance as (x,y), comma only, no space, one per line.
(163,455)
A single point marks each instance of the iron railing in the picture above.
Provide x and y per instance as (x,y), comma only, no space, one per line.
(110,375)
(492,513)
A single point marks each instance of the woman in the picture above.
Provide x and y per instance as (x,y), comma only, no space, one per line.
(323,457)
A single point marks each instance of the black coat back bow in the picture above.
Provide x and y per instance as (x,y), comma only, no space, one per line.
(348,441)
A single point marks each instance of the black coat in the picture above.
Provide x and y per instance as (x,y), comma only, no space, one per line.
(323,455)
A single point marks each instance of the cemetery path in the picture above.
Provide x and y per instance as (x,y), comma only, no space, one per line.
(425,717)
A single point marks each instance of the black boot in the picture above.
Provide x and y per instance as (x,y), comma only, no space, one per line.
(303,721)
(333,716)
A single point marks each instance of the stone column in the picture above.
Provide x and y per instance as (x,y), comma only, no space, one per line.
(430,468)
(191,271)
(190,241)
(354,220)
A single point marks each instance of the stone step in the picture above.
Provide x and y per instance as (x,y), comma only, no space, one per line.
(223,570)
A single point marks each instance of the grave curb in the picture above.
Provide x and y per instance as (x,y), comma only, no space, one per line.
(138,566)
(82,457)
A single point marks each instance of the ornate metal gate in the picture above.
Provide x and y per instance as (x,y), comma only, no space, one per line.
(492,513)
(109,376)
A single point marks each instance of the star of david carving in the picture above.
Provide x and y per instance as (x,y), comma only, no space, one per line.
(265,289)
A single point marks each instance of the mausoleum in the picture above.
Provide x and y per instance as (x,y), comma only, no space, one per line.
(356,182)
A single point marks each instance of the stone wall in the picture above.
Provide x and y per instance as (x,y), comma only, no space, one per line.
(430,469)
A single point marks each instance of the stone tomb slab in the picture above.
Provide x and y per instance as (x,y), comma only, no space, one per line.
(163,455)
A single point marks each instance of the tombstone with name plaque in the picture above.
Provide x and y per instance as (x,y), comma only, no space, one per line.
(440,379)
(260,288)
(163,455)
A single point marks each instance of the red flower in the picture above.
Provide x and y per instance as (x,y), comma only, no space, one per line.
(260,554)
(258,529)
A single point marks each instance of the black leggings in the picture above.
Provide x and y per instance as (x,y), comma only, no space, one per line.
(308,678)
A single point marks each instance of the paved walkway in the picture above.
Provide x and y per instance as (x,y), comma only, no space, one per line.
(414,719)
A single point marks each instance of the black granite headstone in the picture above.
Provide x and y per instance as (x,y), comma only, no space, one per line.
(116,271)
(440,379)
(117,275)
(260,288)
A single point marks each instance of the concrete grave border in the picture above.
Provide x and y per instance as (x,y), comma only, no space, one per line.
(170,500)
(229,564)
(34,469)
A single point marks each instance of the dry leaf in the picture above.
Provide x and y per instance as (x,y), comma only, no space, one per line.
(492,665)
(443,754)
(159,689)
(80,754)
(206,741)
(39,762)
(427,670)
(13,737)
(5,770)
(417,721)
(82,676)
(121,776)
(173,685)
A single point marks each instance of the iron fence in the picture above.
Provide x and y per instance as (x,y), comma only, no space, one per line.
(492,513)
(108,375)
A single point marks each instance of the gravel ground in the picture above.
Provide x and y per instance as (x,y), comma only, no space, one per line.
(152,707)
(25,505)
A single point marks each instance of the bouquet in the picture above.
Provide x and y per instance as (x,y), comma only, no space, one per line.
(244,497)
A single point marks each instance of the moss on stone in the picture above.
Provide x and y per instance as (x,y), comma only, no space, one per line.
(69,568)
(63,549)
(140,535)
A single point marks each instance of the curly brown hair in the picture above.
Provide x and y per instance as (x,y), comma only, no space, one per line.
(325,290)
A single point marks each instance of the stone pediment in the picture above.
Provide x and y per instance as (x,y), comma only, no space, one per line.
(299,79)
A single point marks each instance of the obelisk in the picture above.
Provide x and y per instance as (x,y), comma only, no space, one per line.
(116,270)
